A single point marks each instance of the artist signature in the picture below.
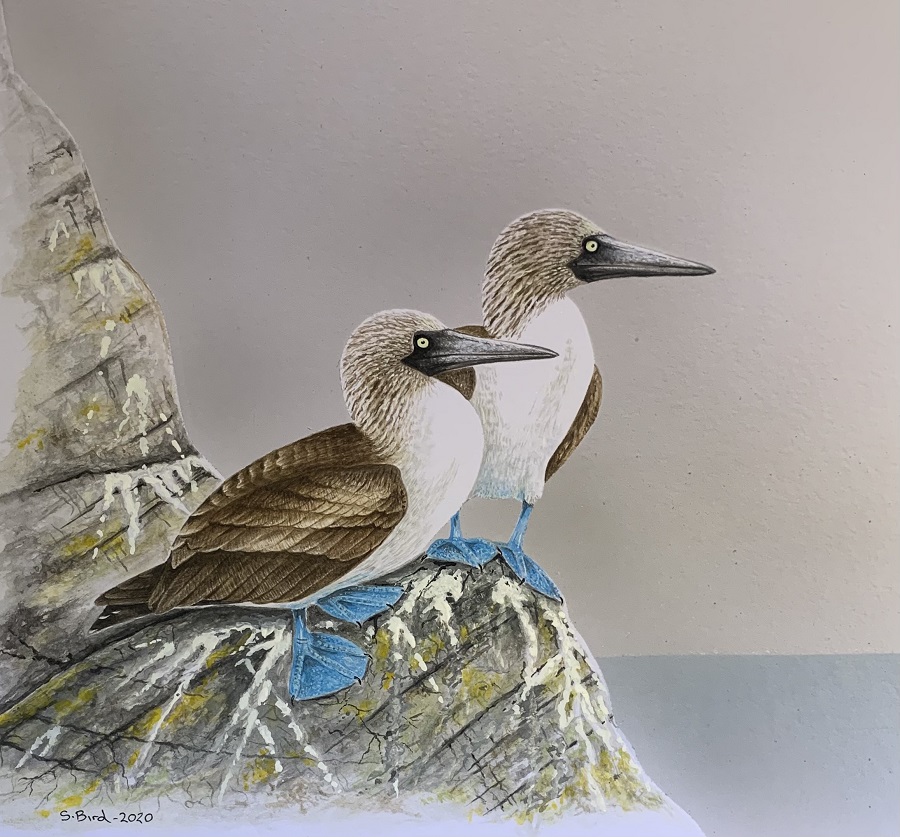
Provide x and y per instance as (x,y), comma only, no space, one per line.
(121,816)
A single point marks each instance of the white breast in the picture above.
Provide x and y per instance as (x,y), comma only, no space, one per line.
(439,463)
(527,408)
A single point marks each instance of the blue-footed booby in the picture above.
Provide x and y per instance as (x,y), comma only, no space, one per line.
(535,415)
(314,522)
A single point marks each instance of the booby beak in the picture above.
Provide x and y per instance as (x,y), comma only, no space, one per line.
(603,257)
(435,352)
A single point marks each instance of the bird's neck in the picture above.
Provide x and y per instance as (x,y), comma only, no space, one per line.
(509,303)
(387,416)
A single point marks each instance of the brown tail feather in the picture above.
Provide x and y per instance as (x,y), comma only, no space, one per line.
(116,614)
(127,600)
(134,590)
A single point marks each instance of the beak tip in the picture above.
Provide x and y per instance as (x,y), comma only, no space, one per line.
(541,353)
(694,269)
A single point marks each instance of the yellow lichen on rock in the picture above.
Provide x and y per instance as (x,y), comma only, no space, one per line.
(67,706)
(130,308)
(261,769)
(73,801)
(79,545)
(226,649)
(36,437)
(458,796)
(360,709)
(621,783)
(478,686)
(142,726)
(92,413)
(41,698)
(618,780)
(382,645)
(76,800)
(84,249)
(430,647)
(189,704)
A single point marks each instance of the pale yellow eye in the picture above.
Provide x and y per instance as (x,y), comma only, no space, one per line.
(591,245)
(423,342)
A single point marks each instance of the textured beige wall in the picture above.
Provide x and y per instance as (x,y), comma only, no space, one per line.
(277,171)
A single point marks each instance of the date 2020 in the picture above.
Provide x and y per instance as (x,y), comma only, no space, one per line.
(84,816)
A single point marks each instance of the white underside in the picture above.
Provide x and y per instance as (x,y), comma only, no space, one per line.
(438,465)
(527,409)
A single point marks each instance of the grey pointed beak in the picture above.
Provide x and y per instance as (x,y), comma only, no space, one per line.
(613,259)
(435,352)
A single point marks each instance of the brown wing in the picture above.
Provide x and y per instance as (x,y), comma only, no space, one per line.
(587,413)
(280,529)
(464,380)
(473,330)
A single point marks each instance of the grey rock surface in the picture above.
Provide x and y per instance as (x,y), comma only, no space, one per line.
(98,472)
(478,693)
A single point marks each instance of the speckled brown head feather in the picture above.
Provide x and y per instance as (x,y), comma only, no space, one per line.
(528,268)
(378,388)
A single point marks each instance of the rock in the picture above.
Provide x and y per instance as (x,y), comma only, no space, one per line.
(480,699)
(99,472)
(478,692)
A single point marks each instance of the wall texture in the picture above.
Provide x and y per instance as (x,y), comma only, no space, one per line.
(277,171)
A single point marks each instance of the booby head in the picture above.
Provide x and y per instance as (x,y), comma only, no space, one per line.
(545,254)
(393,356)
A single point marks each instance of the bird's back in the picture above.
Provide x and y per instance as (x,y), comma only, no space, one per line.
(342,445)
(276,532)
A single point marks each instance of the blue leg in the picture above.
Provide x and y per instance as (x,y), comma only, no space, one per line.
(322,664)
(456,549)
(522,565)
(357,604)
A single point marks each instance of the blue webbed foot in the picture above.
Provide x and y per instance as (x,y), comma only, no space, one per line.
(455,549)
(527,568)
(323,664)
(475,552)
(357,604)
(529,571)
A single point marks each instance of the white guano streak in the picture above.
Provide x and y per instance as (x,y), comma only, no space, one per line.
(58,227)
(256,695)
(161,478)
